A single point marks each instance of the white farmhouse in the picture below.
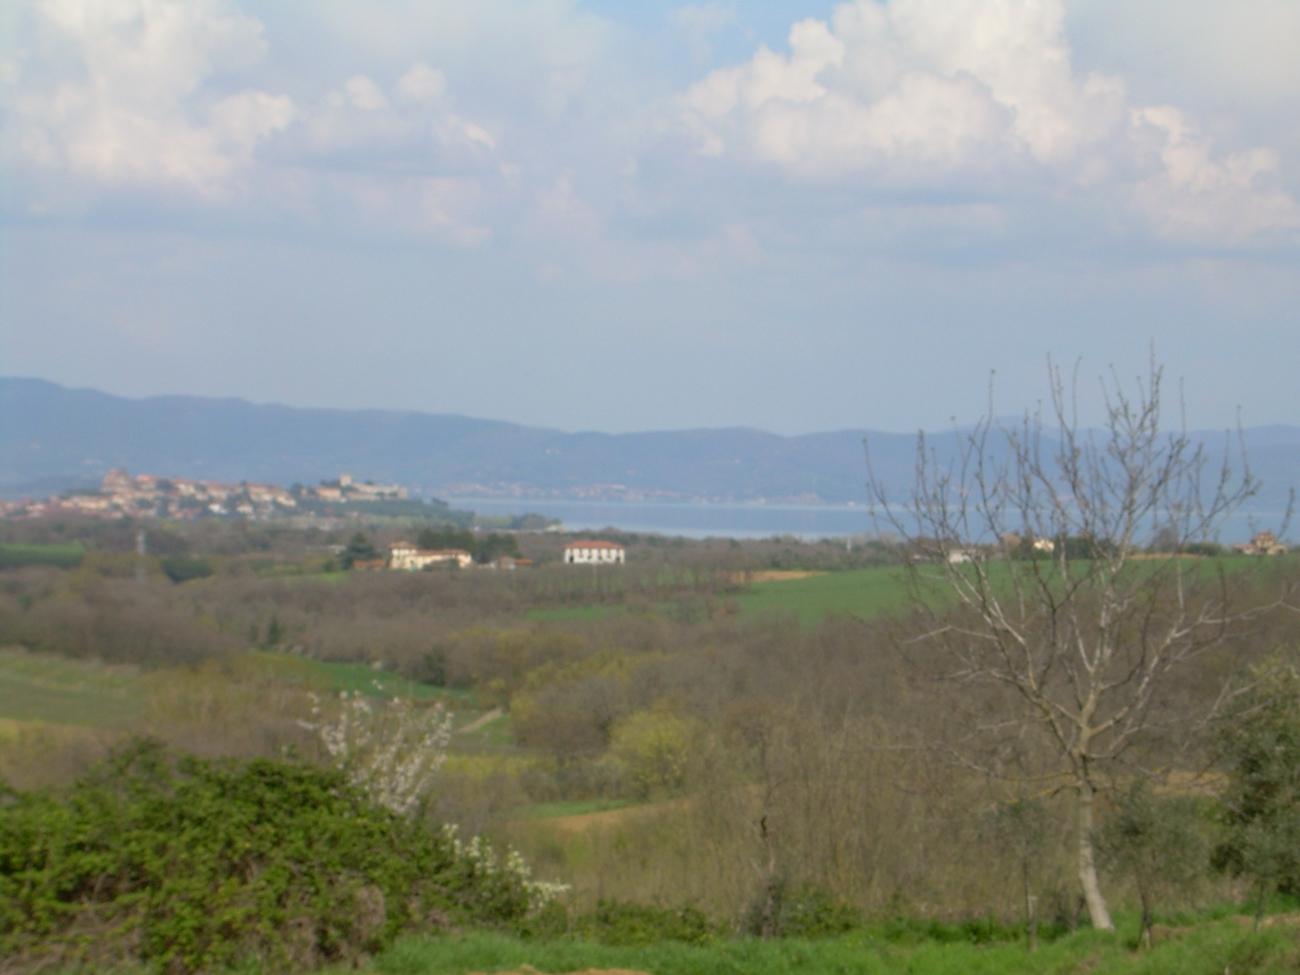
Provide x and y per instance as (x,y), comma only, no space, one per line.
(406,557)
(593,553)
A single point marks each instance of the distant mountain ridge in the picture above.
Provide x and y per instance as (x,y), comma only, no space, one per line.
(53,437)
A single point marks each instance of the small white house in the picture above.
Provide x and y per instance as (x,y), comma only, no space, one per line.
(593,553)
(406,557)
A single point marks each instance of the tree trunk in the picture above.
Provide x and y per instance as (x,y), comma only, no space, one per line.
(1087,863)
(1031,909)
(769,927)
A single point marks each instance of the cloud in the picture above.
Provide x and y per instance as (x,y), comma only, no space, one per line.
(1193,196)
(1241,55)
(422,84)
(944,84)
(525,121)
(967,94)
(149,97)
(135,111)
(365,94)
(416,122)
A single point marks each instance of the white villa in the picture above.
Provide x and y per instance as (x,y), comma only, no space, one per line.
(593,553)
(406,557)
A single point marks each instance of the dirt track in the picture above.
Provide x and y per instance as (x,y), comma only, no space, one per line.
(773,575)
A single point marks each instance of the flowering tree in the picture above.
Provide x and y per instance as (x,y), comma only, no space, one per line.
(508,879)
(392,749)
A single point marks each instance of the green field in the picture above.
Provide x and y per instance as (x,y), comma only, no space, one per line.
(62,556)
(1207,949)
(554,810)
(81,693)
(861,592)
(55,690)
(864,593)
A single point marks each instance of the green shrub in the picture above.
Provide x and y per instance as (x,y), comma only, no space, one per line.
(802,912)
(655,747)
(811,913)
(183,568)
(1259,745)
(624,923)
(191,865)
(976,931)
(1157,841)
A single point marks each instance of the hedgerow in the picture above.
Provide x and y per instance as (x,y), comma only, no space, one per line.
(192,865)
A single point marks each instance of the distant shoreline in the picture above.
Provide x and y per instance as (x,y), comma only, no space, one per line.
(747,519)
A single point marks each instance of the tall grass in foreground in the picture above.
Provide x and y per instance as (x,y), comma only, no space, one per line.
(1209,949)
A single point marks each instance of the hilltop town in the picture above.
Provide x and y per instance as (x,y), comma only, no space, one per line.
(124,495)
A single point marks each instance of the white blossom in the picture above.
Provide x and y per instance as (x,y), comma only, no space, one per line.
(392,750)
(482,859)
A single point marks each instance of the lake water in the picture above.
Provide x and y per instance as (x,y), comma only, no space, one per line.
(689,520)
(746,520)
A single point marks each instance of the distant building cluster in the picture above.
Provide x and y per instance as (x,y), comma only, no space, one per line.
(406,557)
(593,553)
(1264,543)
(123,495)
(345,489)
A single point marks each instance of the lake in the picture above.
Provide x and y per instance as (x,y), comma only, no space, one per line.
(746,520)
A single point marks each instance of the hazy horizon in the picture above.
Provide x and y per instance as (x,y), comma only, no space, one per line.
(905,432)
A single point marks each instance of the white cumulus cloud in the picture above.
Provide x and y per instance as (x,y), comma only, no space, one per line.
(150,97)
(1194,196)
(943,93)
(134,110)
(946,84)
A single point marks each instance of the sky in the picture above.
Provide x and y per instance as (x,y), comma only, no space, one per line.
(795,216)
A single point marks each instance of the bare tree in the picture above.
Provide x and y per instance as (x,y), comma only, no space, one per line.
(1031,550)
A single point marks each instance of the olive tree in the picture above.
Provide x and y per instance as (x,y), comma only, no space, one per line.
(1032,547)
(1259,747)
(1158,841)
(1021,828)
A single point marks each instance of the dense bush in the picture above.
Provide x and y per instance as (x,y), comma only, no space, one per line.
(183,568)
(1259,745)
(624,923)
(190,865)
(802,912)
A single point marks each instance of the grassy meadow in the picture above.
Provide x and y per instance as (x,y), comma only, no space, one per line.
(860,593)
(1207,948)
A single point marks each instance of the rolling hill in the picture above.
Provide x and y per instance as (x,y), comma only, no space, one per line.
(53,437)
